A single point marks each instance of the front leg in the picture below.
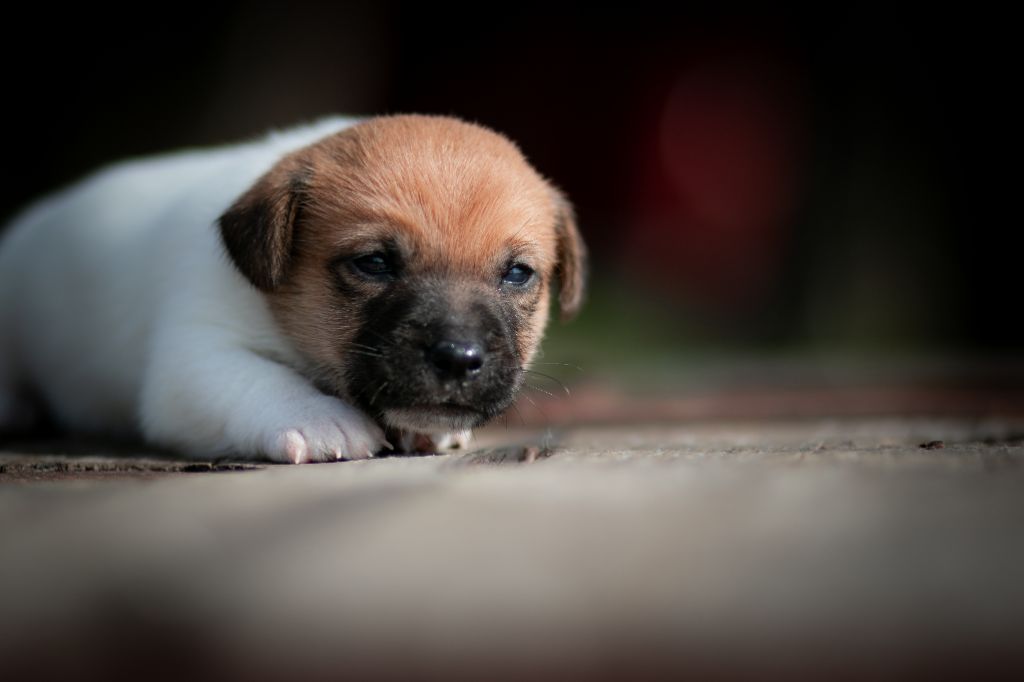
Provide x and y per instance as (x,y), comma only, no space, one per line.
(227,400)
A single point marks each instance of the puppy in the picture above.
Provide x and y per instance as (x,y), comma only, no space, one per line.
(305,297)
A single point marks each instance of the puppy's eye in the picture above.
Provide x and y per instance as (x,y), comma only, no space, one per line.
(377,265)
(517,275)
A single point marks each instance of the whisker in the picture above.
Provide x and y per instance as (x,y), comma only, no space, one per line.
(548,376)
(377,392)
(562,364)
(364,346)
(537,407)
(356,351)
(380,336)
(538,388)
(521,229)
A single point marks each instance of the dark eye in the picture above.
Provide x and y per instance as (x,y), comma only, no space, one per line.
(377,265)
(517,274)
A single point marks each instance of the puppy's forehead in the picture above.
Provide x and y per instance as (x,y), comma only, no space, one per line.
(447,190)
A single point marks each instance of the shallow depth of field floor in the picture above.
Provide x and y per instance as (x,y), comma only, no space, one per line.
(851,546)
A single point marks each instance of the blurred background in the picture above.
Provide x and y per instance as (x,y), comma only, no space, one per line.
(782,194)
(804,214)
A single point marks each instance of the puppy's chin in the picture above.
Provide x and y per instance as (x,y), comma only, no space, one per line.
(433,418)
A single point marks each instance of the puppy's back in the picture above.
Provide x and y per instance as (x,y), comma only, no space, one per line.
(84,271)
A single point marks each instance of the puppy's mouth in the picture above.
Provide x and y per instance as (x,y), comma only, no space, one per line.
(443,416)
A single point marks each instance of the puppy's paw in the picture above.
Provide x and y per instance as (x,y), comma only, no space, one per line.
(324,429)
(422,443)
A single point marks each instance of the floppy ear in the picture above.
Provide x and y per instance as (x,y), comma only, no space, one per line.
(572,259)
(258,228)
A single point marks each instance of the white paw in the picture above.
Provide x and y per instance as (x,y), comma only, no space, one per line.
(323,429)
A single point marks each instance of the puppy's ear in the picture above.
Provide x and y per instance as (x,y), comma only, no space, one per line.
(572,259)
(258,228)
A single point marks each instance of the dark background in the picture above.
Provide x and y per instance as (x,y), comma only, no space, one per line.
(842,180)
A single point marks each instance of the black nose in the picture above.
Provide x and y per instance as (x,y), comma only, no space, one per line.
(456,359)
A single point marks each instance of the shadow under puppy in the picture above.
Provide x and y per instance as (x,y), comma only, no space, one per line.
(305,297)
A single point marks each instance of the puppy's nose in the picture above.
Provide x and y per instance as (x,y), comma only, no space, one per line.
(456,359)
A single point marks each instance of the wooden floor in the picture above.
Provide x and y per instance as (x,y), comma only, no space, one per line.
(850,546)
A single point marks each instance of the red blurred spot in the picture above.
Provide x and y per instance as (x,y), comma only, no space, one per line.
(718,180)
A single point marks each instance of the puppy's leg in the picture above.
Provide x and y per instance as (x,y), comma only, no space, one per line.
(207,401)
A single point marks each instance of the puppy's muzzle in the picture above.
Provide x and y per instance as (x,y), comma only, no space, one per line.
(456,360)
(442,358)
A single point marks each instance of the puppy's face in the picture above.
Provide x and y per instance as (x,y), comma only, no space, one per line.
(409,259)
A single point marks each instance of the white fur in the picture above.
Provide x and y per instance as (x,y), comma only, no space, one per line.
(119,305)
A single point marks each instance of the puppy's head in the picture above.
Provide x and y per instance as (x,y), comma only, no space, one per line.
(409,259)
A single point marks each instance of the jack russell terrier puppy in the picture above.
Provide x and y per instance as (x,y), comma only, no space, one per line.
(305,297)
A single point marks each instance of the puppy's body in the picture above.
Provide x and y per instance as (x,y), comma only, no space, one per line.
(89,275)
(122,309)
